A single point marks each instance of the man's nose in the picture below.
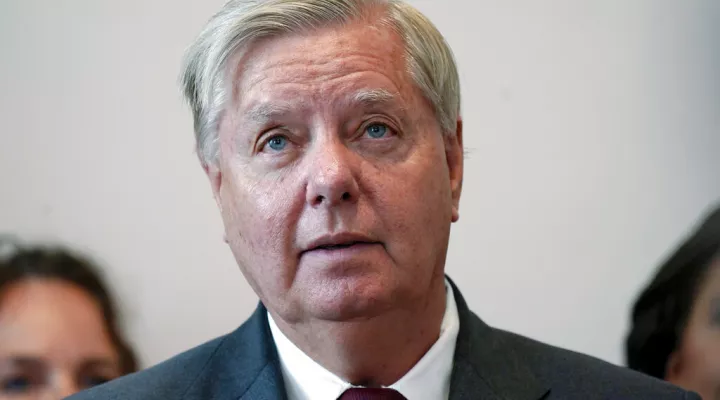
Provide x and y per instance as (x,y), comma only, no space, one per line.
(331,178)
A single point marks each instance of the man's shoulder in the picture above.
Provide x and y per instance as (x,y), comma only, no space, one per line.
(573,375)
(170,379)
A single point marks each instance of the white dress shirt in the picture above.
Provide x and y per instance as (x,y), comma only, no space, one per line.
(429,379)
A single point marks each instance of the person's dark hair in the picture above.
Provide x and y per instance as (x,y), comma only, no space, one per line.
(661,312)
(21,264)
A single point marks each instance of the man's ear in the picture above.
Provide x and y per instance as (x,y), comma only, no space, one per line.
(215,176)
(454,156)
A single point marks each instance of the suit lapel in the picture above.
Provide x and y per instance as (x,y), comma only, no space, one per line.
(244,366)
(268,383)
(485,367)
(267,386)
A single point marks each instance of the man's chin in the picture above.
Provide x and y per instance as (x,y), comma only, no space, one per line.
(347,304)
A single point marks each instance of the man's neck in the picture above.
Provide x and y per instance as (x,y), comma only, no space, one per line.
(373,352)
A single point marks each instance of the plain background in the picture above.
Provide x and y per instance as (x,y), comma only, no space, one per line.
(593,132)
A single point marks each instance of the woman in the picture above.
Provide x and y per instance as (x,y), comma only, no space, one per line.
(58,326)
(675,331)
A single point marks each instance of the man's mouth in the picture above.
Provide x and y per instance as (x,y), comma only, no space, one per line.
(339,246)
(339,241)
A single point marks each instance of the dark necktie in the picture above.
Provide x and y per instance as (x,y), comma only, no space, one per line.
(371,394)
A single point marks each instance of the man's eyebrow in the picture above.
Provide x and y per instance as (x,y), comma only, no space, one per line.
(373,97)
(265,111)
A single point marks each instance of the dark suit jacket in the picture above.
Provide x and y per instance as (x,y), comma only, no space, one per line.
(489,364)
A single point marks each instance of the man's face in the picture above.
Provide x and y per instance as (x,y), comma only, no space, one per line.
(335,183)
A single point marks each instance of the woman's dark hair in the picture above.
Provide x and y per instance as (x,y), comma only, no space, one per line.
(21,264)
(661,312)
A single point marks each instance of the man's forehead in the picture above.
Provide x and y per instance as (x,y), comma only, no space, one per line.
(302,72)
(320,55)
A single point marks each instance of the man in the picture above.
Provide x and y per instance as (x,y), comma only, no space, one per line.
(331,136)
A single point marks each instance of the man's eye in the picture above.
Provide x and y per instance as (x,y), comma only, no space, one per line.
(17,384)
(377,130)
(277,142)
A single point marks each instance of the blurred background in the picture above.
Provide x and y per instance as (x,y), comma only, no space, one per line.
(592,130)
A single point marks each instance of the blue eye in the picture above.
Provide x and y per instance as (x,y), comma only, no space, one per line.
(376,131)
(277,143)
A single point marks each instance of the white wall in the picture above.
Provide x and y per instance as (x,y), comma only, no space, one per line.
(593,130)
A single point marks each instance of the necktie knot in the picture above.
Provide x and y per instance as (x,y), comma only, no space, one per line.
(371,394)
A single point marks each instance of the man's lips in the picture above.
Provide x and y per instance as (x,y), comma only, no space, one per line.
(339,241)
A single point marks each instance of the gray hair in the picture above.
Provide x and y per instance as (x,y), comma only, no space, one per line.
(429,60)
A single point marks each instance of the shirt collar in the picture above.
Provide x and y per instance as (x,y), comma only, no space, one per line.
(429,379)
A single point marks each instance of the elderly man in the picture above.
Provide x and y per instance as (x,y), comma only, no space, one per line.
(331,136)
